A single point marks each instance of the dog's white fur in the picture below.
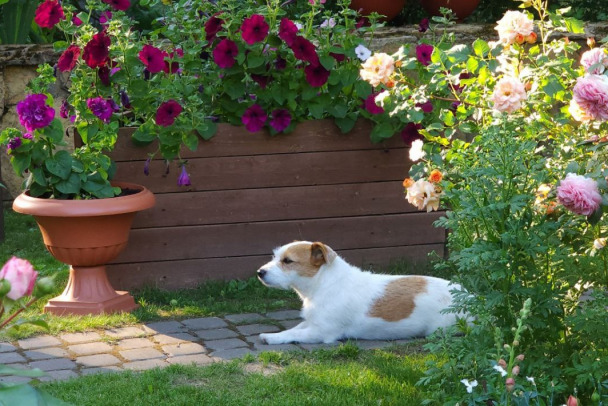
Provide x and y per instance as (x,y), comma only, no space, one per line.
(341,301)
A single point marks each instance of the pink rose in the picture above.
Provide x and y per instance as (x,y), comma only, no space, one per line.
(21,275)
(579,194)
(508,94)
(591,95)
(597,58)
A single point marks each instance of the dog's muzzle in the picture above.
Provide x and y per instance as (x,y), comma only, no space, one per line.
(261,273)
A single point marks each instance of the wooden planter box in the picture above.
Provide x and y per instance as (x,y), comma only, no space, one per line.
(252,192)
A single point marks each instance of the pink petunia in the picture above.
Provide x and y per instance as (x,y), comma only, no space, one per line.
(579,194)
(49,13)
(423,53)
(69,57)
(118,4)
(254,118)
(153,58)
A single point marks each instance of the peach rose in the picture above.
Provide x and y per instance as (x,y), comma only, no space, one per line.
(514,26)
(435,176)
(378,69)
(508,94)
(424,195)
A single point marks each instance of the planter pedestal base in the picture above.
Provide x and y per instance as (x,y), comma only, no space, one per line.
(89,292)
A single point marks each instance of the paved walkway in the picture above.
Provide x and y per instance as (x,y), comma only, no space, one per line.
(201,341)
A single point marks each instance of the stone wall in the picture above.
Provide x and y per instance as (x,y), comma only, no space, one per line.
(18,66)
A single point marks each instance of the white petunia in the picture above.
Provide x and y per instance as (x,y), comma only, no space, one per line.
(469,385)
(362,52)
(328,23)
(501,370)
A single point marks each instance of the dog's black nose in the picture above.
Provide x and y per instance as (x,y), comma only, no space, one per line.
(261,273)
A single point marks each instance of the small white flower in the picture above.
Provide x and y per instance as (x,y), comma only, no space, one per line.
(379,99)
(531,379)
(501,370)
(362,52)
(328,23)
(416,152)
(469,385)
(599,243)
(299,26)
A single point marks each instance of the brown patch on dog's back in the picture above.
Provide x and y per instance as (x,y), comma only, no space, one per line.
(300,254)
(397,303)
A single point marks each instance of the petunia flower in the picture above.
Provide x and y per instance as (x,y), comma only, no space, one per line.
(281,119)
(34,112)
(254,118)
(167,113)
(225,53)
(147,166)
(212,27)
(97,50)
(254,29)
(316,75)
(13,144)
(371,106)
(423,53)
(105,17)
(287,31)
(304,50)
(64,110)
(103,73)
(261,80)
(68,59)
(410,133)
(362,52)
(49,13)
(426,107)
(76,21)
(124,99)
(153,58)
(183,179)
(101,108)
(424,25)
(118,4)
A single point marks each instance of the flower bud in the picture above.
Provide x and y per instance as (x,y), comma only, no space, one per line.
(591,42)
(531,39)
(408,182)
(44,286)
(515,370)
(502,363)
(520,39)
(515,343)
(599,243)
(595,397)
(510,384)
(572,401)
(520,357)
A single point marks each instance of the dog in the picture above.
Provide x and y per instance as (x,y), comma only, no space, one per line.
(340,301)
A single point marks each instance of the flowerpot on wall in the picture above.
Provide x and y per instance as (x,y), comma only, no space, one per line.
(389,8)
(462,8)
(87,234)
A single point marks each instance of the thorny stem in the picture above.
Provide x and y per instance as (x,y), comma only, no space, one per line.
(28,304)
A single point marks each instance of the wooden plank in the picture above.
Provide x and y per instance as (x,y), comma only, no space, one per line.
(211,241)
(309,136)
(288,203)
(172,275)
(258,171)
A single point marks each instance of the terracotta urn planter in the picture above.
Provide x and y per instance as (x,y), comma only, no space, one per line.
(462,8)
(87,234)
(389,8)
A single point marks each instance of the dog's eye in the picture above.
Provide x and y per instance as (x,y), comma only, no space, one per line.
(287,261)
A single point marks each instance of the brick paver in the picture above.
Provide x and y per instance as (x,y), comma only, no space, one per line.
(199,341)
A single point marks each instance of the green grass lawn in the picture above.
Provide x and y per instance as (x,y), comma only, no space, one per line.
(341,376)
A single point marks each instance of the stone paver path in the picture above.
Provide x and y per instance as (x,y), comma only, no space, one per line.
(200,341)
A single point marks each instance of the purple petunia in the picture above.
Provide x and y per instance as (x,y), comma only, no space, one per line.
(423,53)
(168,112)
(254,29)
(101,107)
(183,179)
(34,112)
(225,53)
(280,119)
(254,118)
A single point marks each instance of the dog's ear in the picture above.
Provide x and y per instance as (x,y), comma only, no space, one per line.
(321,254)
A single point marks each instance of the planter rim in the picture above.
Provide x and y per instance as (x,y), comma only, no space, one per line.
(35,206)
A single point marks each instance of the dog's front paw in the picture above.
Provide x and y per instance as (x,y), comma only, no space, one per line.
(272,338)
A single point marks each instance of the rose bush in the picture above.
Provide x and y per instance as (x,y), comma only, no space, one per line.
(204,62)
(517,129)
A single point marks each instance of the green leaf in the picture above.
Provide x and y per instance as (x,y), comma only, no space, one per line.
(142,134)
(69,186)
(381,132)
(190,139)
(39,177)
(595,217)
(25,394)
(481,47)
(207,130)
(327,61)
(60,164)
(472,65)
(345,124)
(253,60)
(574,25)
(8,370)
(53,131)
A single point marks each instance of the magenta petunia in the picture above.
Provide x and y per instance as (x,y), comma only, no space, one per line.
(212,27)
(410,133)
(13,144)
(172,66)
(426,107)
(118,4)
(34,113)
(280,63)
(254,118)
(101,108)
(304,50)
(225,53)
(261,80)
(76,21)
(280,119)
(64,110)
(371,106)
(69,57)
(49,13)
(287,31)
(105,17)
(153,58)
(103,73)
(423,53)
(424,25)
(316,75)
(254,29)
(97,50)
(183,179)
(168,112)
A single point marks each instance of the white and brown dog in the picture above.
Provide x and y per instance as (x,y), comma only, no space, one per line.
(341,301)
